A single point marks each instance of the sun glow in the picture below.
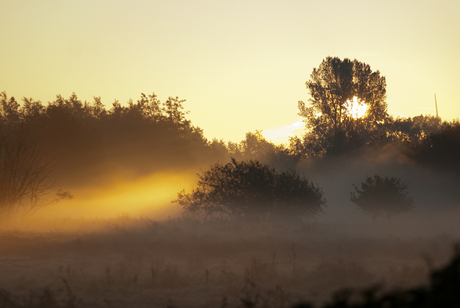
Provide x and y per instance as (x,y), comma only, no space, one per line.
(356,108)
(148,196)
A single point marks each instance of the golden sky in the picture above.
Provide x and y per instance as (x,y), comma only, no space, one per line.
(241,65)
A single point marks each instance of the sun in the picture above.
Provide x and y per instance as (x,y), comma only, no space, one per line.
(356,108)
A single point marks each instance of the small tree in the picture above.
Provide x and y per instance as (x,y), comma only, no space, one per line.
(379,196)
(251,190)
(24,175)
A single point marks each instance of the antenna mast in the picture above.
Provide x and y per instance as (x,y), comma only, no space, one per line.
(436,105)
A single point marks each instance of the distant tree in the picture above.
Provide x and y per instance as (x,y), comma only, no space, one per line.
(248,189)
(412,130)
(332,127)
(256,147)
(441,149)
(378,196)
(218,149)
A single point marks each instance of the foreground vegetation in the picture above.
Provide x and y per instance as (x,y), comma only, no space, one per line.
(130,262)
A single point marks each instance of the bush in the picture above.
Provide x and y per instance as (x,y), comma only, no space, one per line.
(379,196)
(252,190)
(442,291)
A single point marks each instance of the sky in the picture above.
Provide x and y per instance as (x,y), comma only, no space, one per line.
(241,66)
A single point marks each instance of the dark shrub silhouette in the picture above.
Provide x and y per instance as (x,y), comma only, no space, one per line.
(249,189)
(443,291)
(379,196)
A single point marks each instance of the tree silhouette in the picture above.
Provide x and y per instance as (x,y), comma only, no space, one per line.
(411,130)
(332,128)
(88,142)
(441,149)
(24,172)
(248,189)
(379,196)
(256,147)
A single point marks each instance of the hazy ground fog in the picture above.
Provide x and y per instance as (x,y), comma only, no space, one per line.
(139,262)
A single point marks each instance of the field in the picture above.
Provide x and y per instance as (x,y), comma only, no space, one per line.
(183,262)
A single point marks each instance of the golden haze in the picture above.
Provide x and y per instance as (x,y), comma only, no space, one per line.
(150,196)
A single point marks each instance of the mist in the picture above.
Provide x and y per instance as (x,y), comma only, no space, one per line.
(433,191)
(121,240)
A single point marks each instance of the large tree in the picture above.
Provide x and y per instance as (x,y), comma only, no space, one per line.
(334,87)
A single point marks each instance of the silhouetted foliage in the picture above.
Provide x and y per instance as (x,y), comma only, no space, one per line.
(46,298)
(256,147)
(88,142)
(331,129)
(441,149)
(24,172)
(249,189)
(412,130)
(443,291)
(379,196)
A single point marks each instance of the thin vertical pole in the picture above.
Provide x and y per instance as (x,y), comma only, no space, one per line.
(436,104)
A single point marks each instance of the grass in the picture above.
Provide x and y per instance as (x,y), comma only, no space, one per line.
(138,262)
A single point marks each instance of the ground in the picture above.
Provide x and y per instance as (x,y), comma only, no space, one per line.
(139,262)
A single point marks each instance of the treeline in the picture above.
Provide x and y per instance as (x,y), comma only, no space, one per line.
(423,139)
(85,141)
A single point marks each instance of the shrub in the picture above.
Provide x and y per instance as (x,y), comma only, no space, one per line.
(249,189)
(379,196)
(442,291)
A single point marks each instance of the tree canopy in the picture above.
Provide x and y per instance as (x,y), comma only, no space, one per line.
(378,196)
(249,189)
(441,149)
(87,141)
(337,87)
